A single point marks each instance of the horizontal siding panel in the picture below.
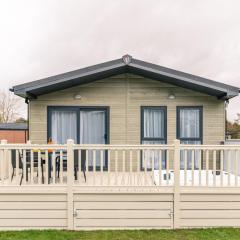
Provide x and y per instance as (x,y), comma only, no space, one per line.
(210,197)
(123,223)
(123,214)
(210,205)
(33,197)
(210,223)
(210,214)
(33,223)
(126,198)
(27,214)
(123,205)
(33,205)
(16,228)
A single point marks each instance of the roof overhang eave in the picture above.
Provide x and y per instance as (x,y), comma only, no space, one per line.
(115,67)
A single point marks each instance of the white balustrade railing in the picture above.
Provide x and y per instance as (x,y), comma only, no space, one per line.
(22,164)
(120,165)
(210,165)
(123,165)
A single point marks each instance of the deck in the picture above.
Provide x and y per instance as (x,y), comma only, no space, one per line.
(119,186)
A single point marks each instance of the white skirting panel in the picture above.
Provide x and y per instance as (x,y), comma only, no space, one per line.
(47,208)
(33,211)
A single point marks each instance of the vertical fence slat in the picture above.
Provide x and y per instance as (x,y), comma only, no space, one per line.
(130,167)
(9,166)
(145,155)
(101,166)
(221,167)
(5,158)
(116,167)
(138,166)
(24,167)
(2,166)
(109,166)
(61,166)
(152,165)
(47,167)
(207,168)
(236,168)
(80,170)
(228,166)
(54,167)
(39,166)
(94,167)
(193,162)
(32,166)
(185,167)
(238,165)
(214,168)
(200,168)
(87,165)
(17,166)
(123,167)
(167,163)
(160,167)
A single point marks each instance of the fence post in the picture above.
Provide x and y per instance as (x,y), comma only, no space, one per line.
(70,181)
(4,162)
(176,204)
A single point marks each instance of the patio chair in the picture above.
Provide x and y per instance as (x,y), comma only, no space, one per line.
(83,165)
(28,163)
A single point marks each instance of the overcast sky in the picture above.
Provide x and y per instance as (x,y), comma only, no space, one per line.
(39,38)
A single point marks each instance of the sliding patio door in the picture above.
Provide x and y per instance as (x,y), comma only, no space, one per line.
(85,125)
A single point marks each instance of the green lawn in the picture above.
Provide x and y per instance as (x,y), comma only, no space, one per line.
(193,234)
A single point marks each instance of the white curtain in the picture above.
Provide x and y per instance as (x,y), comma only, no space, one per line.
(153,128)
(92,127)
(92,131)
(153,123)
(64,126)
(189,123)
(190,128)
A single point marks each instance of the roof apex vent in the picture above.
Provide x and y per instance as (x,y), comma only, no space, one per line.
(127,59)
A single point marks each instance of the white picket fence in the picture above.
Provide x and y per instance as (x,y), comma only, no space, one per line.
(120,165)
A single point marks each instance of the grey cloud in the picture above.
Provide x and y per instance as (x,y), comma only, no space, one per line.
(43,38)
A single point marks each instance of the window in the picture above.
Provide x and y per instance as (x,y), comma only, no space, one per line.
(85,125)
(189,131)
(153,131)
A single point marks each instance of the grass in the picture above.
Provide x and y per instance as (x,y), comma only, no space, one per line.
(190,234)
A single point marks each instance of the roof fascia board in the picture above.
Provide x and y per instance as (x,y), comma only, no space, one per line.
(96,69)
(185,79)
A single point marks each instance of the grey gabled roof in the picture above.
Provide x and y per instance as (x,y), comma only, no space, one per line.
(126,64)
(13,126)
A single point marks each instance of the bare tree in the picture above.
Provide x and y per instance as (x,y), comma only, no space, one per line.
(10,107)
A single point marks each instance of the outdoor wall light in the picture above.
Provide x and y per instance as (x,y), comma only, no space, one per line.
(171,96)
(77,97)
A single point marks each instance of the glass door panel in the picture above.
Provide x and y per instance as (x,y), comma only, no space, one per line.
(93,131)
